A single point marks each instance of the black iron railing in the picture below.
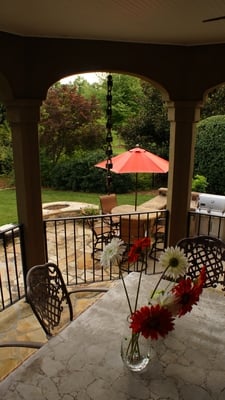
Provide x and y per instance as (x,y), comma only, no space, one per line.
(11,265)
(204,223)
(75,244)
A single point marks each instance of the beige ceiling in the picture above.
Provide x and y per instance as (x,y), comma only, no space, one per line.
(148,21)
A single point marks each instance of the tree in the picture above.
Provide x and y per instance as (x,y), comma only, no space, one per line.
(6,154)
(68,120)
(138,111)
(150,128)
(210,152)
(96,89)
(215,103)
(2,114)
(126,93)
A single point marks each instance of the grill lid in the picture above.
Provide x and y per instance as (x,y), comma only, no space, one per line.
(211,202)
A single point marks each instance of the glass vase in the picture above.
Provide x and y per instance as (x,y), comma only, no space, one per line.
(135,350)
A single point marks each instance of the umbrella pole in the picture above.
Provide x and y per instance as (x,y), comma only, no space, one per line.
(135,204)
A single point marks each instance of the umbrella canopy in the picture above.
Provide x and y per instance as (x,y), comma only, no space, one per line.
(136,161)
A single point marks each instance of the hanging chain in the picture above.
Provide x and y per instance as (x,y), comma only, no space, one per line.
(109,164)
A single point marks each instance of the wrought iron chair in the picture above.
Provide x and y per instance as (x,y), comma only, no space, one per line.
(158,234)
(107,203)
(30,345)
(49,298)
(205,251)
(101,235)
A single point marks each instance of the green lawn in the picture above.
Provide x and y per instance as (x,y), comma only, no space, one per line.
(8,212)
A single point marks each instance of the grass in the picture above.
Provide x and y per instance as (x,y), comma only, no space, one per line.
(8,210)
(118,145)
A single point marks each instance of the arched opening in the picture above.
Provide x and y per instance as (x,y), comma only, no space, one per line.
(131,94)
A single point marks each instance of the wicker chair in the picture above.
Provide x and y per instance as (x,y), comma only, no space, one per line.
(107,203)
(205,251)
(49,298)
(132,229)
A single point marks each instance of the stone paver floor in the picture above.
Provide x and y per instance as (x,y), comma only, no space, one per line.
(19,323)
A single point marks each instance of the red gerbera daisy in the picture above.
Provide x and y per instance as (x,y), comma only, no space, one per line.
(200,282)
(153,321)
(187,294)
(137,248)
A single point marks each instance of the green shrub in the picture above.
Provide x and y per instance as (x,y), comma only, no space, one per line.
(79,174)
(210,152)
(86,211)
(199,183)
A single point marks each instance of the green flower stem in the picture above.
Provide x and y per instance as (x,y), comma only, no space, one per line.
(137,294)
(133,347)
(126,292)
(158,283)
(138,290)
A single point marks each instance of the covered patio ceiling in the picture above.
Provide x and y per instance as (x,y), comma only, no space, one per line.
(175,22)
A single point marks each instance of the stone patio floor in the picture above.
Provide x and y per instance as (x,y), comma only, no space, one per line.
(19,323)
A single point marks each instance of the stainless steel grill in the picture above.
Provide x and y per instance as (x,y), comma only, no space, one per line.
(211,218)
(211,203)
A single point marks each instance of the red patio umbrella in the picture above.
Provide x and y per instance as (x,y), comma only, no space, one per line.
(136,161)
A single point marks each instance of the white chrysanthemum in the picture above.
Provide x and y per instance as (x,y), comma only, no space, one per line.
(174,262)
(113,252)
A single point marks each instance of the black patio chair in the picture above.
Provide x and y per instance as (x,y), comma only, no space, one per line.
(205,251)
(102,233)
(49,298)
(158,234)
(30,345)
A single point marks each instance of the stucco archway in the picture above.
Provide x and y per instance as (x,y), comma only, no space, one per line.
(32,65)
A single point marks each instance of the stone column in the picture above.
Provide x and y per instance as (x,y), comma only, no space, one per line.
(183,116)
(23,117)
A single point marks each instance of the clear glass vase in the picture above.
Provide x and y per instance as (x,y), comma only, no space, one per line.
(135,350)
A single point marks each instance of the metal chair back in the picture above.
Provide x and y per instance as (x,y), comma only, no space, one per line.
(158,234)
(49,298)
(205,251)
(101,235)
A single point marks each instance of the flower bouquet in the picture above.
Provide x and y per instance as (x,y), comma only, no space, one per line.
(175,299)
(114,254)
(131,350)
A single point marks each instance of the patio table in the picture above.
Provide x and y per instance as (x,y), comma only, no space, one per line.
(83,362)
(146,218)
